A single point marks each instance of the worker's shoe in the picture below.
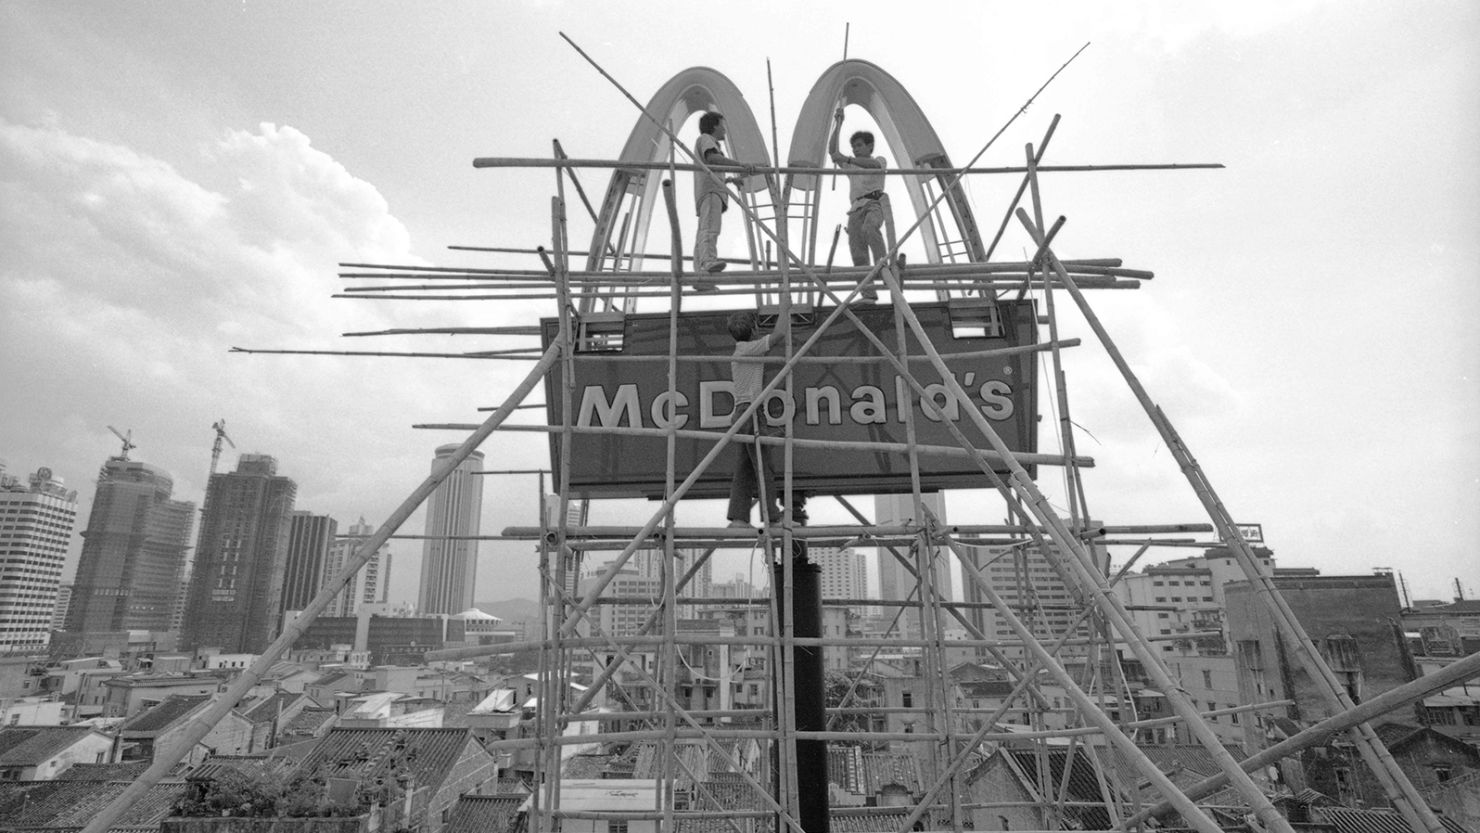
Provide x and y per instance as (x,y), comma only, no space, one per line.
(716,266)
(706,286)
(869,294)
(740,525)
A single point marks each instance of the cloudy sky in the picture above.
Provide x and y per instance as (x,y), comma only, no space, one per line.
(178,179)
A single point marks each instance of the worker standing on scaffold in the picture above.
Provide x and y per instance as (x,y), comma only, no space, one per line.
(711,197)
(869,206)
(755,477)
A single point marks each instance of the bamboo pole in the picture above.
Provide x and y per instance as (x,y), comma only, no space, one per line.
(1094,266)
(166,758)
(766,170)
(670,589)
(1400,790)
(840,530)
(864,446)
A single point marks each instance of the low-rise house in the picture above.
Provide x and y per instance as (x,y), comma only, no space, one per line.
(31,711)
(620,794)
(41,753)
(390,710)
(1013,774)
(495,717)
(326,689)
(312,722)
(1428,757)
(270,714)
(862,777)
(158,726)
(485,814)
(128,695)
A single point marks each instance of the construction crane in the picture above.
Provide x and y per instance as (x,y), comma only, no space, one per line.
(220,426)
(128,442)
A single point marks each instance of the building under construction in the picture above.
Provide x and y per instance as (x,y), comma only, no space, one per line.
(725,704)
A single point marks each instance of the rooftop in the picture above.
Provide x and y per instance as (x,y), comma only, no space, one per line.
(31,745)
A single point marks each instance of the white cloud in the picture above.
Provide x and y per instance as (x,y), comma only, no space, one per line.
(125,284)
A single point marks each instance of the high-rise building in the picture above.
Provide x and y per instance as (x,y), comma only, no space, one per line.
(369,584)
(844,571)
(133,550)
(309,539)
(64,604)
(1032,587)
(36,523)
(898,584)
(236,586)
(449,557)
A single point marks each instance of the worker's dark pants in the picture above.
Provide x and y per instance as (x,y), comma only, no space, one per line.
(754,465)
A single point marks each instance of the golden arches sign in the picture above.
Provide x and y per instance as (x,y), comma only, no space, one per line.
(905,129)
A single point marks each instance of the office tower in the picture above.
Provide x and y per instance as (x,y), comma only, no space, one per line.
(241,556)
(132,552)
(449,557)
(844,572)
(36,522)
(895,582)
(309,539)
(369,584)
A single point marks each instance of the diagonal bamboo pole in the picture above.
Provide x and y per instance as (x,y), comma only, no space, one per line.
(201,725)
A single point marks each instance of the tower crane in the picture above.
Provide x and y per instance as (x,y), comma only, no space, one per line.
(220,426)
(128,442)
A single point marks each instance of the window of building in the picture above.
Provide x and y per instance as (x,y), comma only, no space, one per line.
(908,699)
(1207,678)
(615,826)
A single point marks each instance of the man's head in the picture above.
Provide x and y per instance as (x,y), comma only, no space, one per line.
(862,142)
(742,325)
(712,123)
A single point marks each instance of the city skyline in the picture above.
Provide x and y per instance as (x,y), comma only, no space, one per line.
(205,198)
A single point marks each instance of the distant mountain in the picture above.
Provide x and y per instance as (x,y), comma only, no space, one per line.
(511,610)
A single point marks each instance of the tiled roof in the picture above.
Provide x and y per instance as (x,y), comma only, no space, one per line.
(43,804)
(1083,784)
(1183,764)
(1347,820)
(31,745)
(257,765)
(103,772)
(731,794)
(845,821)
(268,708)
(159,718)
(483,814)
(585,766)
(884,768)
(309,721)
(866,773)
(330,678)
(367,754)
